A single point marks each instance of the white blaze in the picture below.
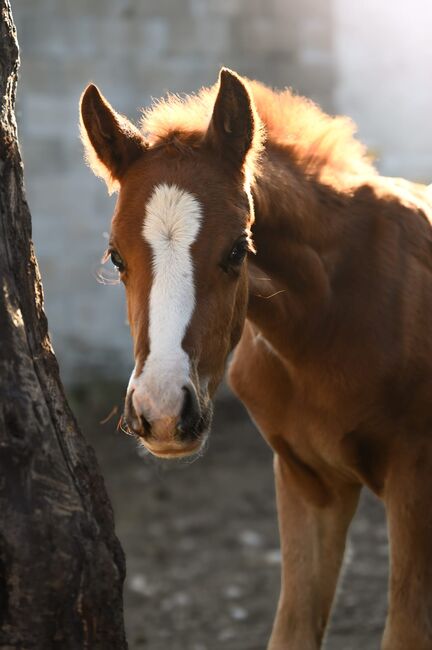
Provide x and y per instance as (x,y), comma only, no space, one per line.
(171,224)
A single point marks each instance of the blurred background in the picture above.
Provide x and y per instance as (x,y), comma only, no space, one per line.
(201,540)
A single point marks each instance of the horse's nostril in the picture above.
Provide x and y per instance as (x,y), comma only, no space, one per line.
(136,422)
(190,415)
(145,425)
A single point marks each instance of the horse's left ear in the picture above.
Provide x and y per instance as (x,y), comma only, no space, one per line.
(110,141)
(232,126)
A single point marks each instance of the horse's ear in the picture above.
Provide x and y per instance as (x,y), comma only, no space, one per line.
(111,142)
(232,126)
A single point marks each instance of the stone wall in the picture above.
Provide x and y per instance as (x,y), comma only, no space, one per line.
(136,49)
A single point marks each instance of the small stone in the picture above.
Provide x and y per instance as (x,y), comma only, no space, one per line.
(226,634)
(233,591)
(178,599)
(251,538)
(140,585)
(239,613)
(273,556)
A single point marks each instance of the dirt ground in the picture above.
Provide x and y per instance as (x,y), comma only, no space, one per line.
(202,548)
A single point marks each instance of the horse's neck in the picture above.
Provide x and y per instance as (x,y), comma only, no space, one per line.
(296,220)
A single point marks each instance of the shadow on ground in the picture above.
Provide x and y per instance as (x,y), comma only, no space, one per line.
(201,541)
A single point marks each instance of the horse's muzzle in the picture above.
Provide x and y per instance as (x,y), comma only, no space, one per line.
(172,436)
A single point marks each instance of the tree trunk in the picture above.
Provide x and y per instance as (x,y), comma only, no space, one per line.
(61,565)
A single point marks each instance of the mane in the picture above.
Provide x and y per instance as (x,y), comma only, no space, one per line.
(323,145)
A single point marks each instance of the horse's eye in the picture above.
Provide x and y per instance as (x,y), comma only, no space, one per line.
(117,260)
(238,252)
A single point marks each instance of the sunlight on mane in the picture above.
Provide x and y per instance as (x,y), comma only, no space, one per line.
(322,144)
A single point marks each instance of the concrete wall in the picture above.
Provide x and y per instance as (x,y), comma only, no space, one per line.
(136,49)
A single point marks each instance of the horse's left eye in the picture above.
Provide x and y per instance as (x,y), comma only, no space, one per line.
(117,260)
(238,252)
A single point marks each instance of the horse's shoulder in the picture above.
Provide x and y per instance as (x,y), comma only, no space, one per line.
(256,369)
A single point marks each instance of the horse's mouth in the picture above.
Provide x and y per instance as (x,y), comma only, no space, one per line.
(175,451)
(193,444)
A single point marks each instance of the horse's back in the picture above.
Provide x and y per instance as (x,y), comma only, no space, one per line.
(417,196)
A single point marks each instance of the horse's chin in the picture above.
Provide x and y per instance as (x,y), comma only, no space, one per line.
(177,452)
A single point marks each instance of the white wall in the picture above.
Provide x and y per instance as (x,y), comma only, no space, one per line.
(133,49)
(383,79)
(371,59)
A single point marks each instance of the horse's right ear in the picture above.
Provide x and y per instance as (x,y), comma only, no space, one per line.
(110,141)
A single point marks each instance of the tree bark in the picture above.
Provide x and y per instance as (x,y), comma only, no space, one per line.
(61,565)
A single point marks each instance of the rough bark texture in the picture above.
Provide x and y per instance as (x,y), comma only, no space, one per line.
(61,565)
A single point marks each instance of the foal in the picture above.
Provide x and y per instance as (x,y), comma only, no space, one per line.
(330,315)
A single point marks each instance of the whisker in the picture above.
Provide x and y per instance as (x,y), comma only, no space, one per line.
(142,450)
(272,295)
(127,431)
(199,454)
(105,257)
(104,276)
(122,426)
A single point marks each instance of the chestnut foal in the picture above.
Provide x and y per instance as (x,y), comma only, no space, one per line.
(331,316)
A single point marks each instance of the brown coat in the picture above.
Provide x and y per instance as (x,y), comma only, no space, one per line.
(333,314)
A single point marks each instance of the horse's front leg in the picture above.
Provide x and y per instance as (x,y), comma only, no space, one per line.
(312,546)
(408,499)
(314,513)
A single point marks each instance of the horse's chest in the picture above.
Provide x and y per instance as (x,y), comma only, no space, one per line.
(283,404)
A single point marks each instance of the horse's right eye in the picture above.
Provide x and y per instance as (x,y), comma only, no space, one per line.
(117,261)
